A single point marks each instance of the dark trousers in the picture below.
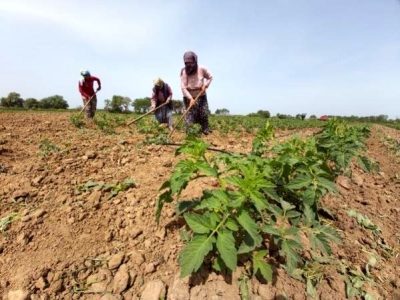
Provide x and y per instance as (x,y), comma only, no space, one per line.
(198,113)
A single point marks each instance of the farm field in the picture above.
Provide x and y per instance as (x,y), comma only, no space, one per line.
(78,205)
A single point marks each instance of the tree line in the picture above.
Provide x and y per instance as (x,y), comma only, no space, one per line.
(15,100)
(121,104)
(117,104)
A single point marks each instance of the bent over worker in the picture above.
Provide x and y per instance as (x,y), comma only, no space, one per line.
(88,94)
(162,94)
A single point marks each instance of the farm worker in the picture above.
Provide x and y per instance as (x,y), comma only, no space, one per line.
(87,92)
(195,79)
(162,94)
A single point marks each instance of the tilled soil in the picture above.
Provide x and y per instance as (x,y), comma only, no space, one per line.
(68,242)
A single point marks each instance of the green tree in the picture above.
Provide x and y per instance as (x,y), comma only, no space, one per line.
(313,117)
(54,102)
(222,111)
(382,118)
(31,103)
(283,116)
(107,104)
(12,100)
(177,106)
(301,116)
(118,104)
(264,113)
(126,102)
(142,105)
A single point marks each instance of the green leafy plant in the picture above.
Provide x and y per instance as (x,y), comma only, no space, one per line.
(364,221)
(194,130)
(46,147)
(107,123)
(77,120)
(261,206)
(393,146)
(243,282)
(7,220)
(158,134)
(114,189)
(341,142)
(157,140)
(3,168)
(82,286)
(311,274)
(233,220)
(355,280)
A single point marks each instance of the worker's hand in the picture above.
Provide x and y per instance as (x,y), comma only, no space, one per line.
(203,88)
(168,101)
(98,89)
(153,109)
(192,102)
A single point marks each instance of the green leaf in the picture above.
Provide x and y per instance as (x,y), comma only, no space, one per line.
(286,206)
(236,181)
(207,169)
(292,231)
(218,264)
(351,291)
(112,194)
(250,226)
(289,247)
(209,203)
(184,235)
(91,184)
(309,215)
(321,236)
(259,200)
(261,266)
(181,175)
(331,233)
(268,228)
(368,297)
(247,244)
(271,193)
(184,206)
(323,210)
(192,256)
(198,223)
(194,147)
(163,198)
(311,290)
(365,163)
(237,199)
(166,184)
(221,195)
(293,214)
(340,159)
(128,182)
(227,249)
(276,210)
(244,287)
(214,218)
(358,282)
(231,224)
(299,182)
(309,196)
(326,183)
(320,242)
